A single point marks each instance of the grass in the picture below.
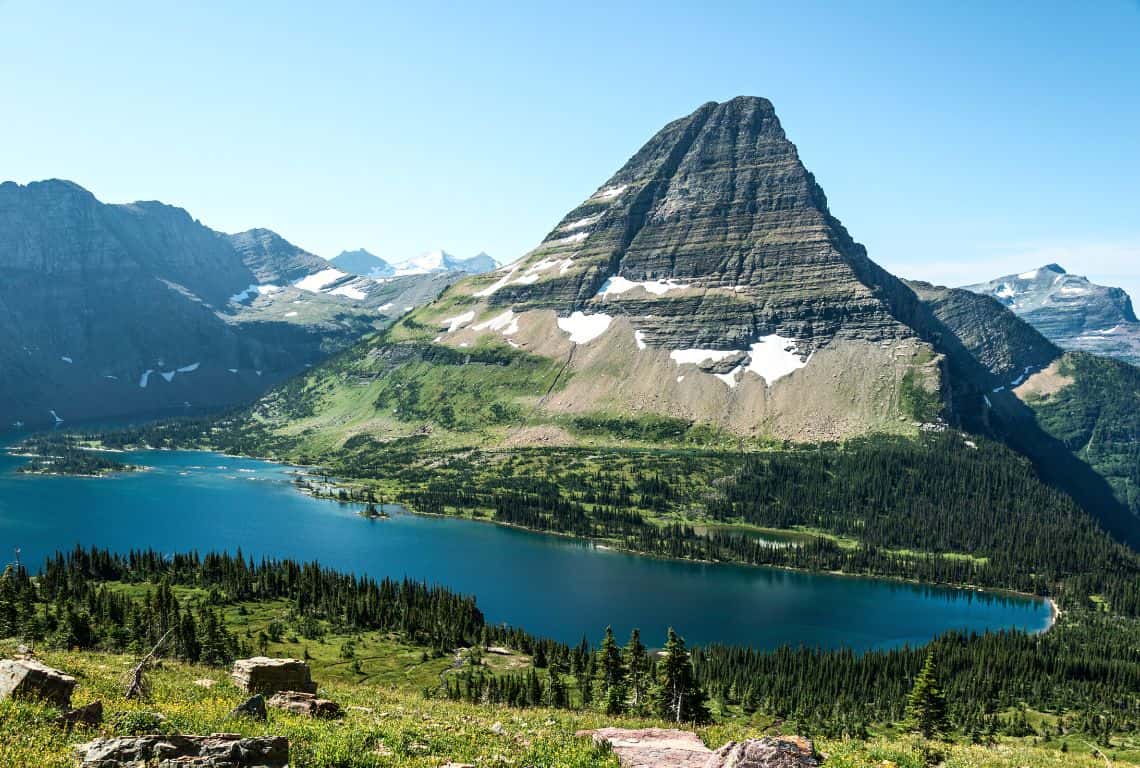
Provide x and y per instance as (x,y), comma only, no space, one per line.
(388,725)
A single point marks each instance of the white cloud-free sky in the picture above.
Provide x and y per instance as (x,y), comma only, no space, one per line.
(958,141)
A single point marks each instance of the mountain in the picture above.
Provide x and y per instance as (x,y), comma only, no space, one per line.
(442,261)
(706,294)
(111,311)
(361,262)
(1072,311)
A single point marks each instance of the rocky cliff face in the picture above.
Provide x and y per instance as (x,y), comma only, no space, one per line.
(1070,310)
(120,310)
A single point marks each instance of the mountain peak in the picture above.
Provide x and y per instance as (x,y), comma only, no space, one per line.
(362,262)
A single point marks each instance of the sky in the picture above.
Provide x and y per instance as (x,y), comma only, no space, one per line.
(957,141)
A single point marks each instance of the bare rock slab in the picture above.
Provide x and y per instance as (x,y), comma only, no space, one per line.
(653,747)
(28,679)
(261,674)
(220,750)
(768,752)
(301,703)
(666,748)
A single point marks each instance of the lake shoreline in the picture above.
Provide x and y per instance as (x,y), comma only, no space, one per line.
(607,545)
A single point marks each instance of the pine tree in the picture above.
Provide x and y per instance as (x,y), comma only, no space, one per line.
(636,671)
(678,696)
(926,707)
(611,675)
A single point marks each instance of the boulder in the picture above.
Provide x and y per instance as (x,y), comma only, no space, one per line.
(653,747)
(253,707)
(28,679)
(89,714)
(264,675)
(220,750)
(302,703)
(768,752)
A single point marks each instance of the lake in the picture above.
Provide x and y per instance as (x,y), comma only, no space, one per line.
(549,585)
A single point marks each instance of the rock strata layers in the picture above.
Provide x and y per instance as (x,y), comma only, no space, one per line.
(264,675)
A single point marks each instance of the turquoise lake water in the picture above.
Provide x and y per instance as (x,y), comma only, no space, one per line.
(549,585)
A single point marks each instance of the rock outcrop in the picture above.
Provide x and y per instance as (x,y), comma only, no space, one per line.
(252,708)
(304,704)
(90,715)
(767,752)
(653,747)
(264,675)
(215,751)
(668,748)
(1070,310)
(29,679)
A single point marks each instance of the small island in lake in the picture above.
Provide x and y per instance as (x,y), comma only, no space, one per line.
(63,455)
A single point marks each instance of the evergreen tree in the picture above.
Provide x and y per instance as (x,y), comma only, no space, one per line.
(926,706)
(636,672)
(610,675)
(678,696)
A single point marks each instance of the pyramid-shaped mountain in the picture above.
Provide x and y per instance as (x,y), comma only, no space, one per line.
(705,281)
(708,280)
(705,290)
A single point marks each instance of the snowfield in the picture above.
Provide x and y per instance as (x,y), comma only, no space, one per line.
(618,284)
(457,322)
(584,328)
(315,282)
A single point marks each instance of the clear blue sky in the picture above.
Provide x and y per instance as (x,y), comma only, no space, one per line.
(956,140)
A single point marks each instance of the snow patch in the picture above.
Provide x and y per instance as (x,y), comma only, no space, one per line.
(729,378)
(639,337)
(577,237)
(254,290)
(145,378)
(495,285)
(528,279)
(55,416)
(385,307)
(618,284)
(1029,275)
(774,357)
(698,356)
(609,193)
(584,328)
(290,314)
(1004,292)
(680,379)
(168,375)
(189,368)
(507,323)
(315,282)
(66,359)
(232,370)
(457,322)
(581,223)
(1024,375)
(349,291)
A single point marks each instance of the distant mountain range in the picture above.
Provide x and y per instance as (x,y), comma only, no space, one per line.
(361,262)
(113,311)
(1070,310)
